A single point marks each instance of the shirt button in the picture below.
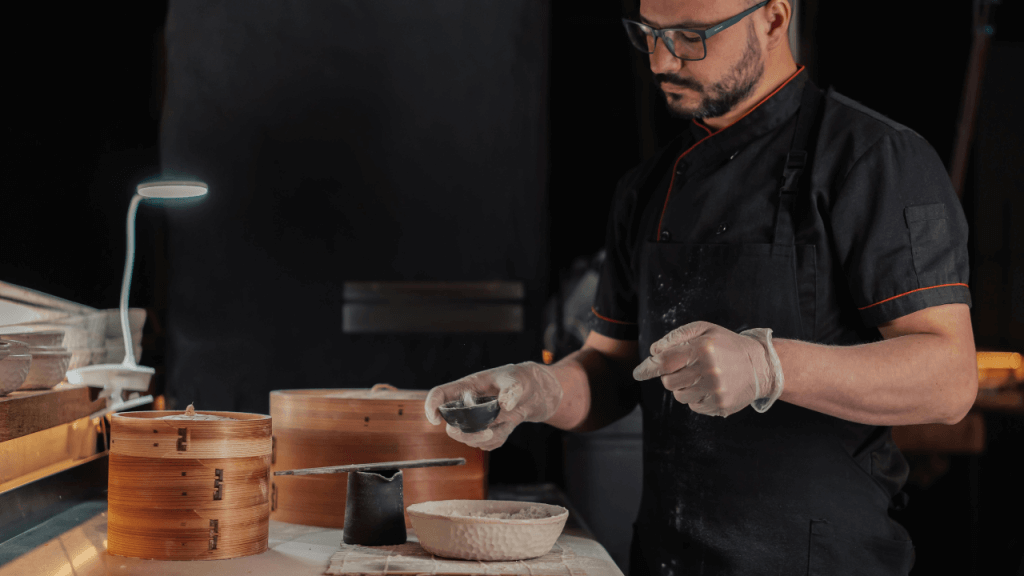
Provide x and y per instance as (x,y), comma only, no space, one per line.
(734,154)
(721,228)
(679,172)
(665,236)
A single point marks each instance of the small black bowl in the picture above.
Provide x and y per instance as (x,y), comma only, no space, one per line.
(471,419)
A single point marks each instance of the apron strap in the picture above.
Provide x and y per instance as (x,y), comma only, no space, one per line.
(808,121)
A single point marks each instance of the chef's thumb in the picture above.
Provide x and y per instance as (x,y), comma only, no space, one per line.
(680,335)
(435,398)
(649,368)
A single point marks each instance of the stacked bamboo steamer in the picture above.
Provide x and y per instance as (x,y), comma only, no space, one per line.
(189,489)
(333,427)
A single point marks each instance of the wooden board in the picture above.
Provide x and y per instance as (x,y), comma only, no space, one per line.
(23,413)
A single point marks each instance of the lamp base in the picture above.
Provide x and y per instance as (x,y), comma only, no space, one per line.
(112,375)
(114,379)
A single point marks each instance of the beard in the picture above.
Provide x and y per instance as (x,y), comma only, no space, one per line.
(720,97)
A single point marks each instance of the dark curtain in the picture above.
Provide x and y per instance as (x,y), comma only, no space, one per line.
(345,141)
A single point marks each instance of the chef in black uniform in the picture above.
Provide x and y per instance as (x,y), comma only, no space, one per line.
(791,275)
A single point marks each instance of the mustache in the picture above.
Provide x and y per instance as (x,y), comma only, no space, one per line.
(681,82)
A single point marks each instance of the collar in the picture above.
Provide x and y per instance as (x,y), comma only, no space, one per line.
(767,115)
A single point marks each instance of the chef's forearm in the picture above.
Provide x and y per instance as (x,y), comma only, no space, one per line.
(593,394)
(909,379)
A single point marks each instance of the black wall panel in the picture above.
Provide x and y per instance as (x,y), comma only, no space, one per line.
(347,141)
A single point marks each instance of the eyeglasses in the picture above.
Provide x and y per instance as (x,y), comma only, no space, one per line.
(683,43)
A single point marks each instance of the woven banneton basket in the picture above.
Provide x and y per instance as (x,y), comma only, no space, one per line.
(189,489)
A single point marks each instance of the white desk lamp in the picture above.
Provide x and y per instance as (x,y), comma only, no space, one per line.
(114,379)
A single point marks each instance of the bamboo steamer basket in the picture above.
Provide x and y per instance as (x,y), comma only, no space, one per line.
(334,427)
(188,489)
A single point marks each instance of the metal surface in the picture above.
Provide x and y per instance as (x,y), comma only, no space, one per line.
(25,507)
(432,307)
(375,466)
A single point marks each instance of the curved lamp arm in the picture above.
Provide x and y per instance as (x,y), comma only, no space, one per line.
(129,261)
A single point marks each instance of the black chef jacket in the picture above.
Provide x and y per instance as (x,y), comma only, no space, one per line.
(889,239)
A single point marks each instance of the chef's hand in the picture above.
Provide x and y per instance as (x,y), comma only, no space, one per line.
(526,392)
(716,371)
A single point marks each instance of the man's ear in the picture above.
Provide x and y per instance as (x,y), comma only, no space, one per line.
(777,16)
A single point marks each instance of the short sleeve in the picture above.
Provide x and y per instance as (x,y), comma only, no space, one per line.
(899,230)
(615,303)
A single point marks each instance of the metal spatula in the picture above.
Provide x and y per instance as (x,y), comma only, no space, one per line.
(374,466)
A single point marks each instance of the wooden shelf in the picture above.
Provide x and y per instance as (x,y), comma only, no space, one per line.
(23,413)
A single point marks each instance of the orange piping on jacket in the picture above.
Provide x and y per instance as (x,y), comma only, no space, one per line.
(710,134)
(910,292)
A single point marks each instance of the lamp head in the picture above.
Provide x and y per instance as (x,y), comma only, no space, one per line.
(171,189)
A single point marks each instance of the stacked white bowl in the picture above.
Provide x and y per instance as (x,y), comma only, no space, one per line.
(48,360)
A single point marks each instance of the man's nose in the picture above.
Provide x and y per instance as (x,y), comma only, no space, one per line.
(663,61)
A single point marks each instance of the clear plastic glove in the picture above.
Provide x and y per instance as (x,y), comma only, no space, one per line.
(527,392)
(716,371)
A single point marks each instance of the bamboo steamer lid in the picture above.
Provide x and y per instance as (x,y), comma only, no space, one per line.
(334,427)
(189,489)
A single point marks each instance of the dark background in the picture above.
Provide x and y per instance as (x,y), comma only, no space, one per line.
(86,86)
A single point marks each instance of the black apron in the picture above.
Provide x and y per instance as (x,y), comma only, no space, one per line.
(771,493)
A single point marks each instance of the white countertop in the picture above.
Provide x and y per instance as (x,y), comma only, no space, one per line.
(74,543)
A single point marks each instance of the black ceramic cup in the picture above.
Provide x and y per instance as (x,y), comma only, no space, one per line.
(375,509)
(471,419)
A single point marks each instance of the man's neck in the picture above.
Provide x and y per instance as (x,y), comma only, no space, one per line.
(775,74)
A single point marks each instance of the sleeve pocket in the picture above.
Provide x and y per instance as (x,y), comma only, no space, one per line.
(934,260)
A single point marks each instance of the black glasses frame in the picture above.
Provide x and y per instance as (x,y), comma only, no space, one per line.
(704,34)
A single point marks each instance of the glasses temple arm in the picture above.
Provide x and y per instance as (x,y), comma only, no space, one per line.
(723,25)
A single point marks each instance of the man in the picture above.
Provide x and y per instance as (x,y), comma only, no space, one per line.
(792,251)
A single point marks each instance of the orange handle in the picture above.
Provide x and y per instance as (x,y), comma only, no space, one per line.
(1004,360)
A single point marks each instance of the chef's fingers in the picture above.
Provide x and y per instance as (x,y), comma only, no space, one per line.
(681,380)
(674,359)
(511,390)
(506,416)
(501,433)
(472,438)
(692,394)
(443,394)
(511,417)
(684,333)
(479,383)
(699,387)
(435,398)
(501,427)
(489,439)
(706,407)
